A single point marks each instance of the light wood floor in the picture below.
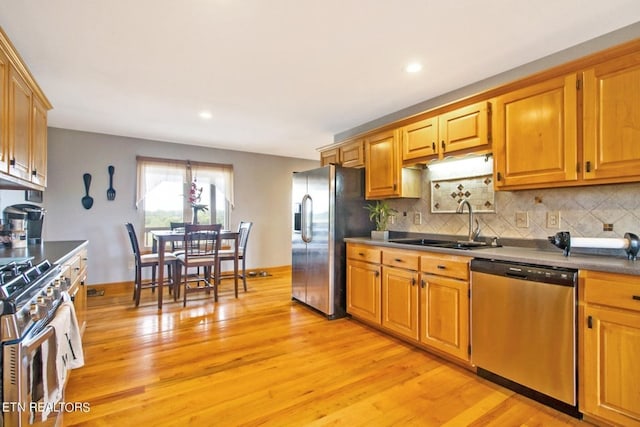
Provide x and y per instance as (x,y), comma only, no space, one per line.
(263,360)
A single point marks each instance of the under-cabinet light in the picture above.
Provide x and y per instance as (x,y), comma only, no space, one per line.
(456,167)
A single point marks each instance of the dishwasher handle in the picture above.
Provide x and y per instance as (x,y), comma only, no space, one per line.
(516,275)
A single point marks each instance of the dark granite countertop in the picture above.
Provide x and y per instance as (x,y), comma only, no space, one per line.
(524,251)
(56,252)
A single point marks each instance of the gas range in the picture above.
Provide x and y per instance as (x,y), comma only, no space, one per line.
(28,294)
(34,321)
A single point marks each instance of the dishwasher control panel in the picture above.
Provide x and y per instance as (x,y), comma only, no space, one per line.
(531,272)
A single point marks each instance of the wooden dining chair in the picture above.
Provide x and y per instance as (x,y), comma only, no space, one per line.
(229,254)
(148,261)
(201,247)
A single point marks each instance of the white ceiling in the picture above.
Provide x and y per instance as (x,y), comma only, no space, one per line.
(279,76)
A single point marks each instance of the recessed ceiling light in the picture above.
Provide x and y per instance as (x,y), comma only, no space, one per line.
(413,67)
(206,115)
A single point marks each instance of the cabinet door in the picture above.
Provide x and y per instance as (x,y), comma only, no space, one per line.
(352,154)
(444,315)
(363,291)
(420,139)
(382,165)
(19,126)
(329,156)
(4,142)
(535,140)
(612,119)
(464,128)
(400,292)
(39,144)
(611,369)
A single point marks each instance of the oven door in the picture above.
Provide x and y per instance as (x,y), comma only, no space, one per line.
(32,383)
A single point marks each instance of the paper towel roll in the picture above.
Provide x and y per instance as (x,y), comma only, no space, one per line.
(599,242)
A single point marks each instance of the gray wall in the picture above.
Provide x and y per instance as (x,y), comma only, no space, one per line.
(262,195)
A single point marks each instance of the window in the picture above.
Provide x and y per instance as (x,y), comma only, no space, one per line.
(181,191)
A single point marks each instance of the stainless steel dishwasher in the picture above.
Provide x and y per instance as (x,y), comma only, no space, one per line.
(523,329)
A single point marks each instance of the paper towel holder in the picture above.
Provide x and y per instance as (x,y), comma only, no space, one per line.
(562,240)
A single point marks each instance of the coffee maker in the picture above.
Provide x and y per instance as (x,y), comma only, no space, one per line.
(25,221)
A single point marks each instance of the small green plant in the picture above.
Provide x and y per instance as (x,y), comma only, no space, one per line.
(380,213)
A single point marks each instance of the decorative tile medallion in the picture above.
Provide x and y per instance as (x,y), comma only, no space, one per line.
(478,190)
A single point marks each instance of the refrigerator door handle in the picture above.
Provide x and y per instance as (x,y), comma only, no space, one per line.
(307,212)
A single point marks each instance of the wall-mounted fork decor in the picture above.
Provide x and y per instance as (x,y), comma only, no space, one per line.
(111,192)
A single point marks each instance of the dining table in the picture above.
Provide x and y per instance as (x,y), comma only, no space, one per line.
(162,237)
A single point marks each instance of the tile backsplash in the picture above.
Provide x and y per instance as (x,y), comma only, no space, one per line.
(583,211)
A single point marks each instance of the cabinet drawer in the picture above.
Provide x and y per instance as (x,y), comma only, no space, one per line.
(363,253)
(401,259)
(446,265)
(614,290)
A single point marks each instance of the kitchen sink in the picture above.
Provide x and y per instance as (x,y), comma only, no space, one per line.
(449,244)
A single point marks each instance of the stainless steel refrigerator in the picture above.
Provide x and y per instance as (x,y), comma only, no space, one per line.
(328,205)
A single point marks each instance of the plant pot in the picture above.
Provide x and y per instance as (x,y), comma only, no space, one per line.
(380,235)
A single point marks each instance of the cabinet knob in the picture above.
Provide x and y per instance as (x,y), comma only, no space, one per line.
(12,162)
(441,267)
(433,146)
(442,144)
(587,166)
(34,172)
(499,176)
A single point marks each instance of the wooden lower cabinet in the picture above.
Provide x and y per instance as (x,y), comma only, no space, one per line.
(415,295)
(609,382)
(444,315)
(74,267)
(400,298)
(363,291)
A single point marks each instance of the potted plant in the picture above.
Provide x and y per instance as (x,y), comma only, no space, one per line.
(380,213)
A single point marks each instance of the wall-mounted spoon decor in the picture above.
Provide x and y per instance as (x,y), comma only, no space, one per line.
(111,192)
(87,201)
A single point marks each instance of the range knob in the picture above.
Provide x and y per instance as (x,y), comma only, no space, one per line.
(34,311)
(50,292)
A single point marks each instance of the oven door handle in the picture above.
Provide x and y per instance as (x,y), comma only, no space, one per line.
(39,339)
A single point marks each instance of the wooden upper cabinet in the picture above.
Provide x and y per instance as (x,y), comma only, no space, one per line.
(4,142)
(465,128)
(23,123)
(382,165)
(384,175)
(420,139)
(535,139)
(38,161)
(329,156)
(611,120)
(352,154)
(19,125)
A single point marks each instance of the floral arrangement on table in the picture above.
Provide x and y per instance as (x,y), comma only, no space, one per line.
(195,194)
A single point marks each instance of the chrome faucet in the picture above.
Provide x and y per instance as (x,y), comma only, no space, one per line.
(473,233)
